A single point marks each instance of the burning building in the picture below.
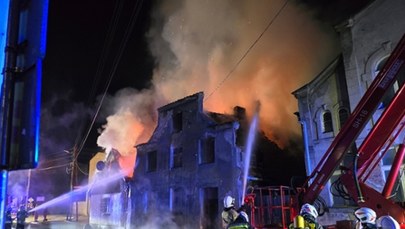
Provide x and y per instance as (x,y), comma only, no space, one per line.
(190,163)
(193,159)
(108,192)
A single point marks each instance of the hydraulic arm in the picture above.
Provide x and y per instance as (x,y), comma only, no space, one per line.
(369,150)
(358,119)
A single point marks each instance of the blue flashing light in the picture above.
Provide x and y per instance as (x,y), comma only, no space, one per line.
(4,8)
(3,197)
(37,112)
(44,27)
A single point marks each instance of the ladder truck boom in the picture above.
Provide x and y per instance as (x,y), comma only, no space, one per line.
(357,121)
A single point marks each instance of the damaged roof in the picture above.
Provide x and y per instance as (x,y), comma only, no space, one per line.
(221,118)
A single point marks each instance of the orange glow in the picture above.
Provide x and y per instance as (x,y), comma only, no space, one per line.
(122,132)
(127,164)
(198,53)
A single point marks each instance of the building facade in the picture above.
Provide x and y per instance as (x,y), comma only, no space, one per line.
(107,195)
(367,40)
(191,162)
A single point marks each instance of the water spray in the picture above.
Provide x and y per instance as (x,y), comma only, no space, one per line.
(68,196)
(249,147)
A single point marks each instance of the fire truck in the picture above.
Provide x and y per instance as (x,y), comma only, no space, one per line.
(275,207)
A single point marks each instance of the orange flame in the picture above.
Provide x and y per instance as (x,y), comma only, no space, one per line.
(199,48)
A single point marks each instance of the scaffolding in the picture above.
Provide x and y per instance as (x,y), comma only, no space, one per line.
(271,207)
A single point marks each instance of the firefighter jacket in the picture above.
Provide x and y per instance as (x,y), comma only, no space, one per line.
(228,216)
(366,225)
(239,223)
(9,218)
(21,216)
(305,222)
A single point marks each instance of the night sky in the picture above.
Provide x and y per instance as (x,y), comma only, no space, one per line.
(77,33)
(82,56)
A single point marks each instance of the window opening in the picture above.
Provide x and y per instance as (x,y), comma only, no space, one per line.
(207,152)
(327,122)
(152,161)
(176,158)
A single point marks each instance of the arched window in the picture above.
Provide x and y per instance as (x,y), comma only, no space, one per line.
(380,65)
(327,122)
(343,116)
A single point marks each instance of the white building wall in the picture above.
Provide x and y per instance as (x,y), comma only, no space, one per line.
(369,37)
(366,38)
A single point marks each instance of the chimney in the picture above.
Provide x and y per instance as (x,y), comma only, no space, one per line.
(239,113)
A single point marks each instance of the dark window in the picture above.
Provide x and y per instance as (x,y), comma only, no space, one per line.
(380,65)
(389,157)
(105,207)
(152,161)
(177,158)
(210,207)
(207,151)
(177,196)
(389,94)
(343,116)
(178,122)
(327,122)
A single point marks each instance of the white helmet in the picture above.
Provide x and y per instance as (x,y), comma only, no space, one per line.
(387,222)
(309,209)
(229,202)
(366,215)
(245,216)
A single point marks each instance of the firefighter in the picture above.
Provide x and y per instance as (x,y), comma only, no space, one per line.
(31,203)
(241,222)
(9,219)
(387,222)
(22,214)
(307,219)
(366,218)
(229,214)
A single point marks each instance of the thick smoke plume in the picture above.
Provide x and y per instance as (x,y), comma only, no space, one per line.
(197,45)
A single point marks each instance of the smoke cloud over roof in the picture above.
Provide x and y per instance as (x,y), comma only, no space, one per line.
(224,49)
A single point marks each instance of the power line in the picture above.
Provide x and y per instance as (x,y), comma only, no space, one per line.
(128,31)
(59,152)
(78,167)
(104,53)
(249,49)
(52,167)
(55,160)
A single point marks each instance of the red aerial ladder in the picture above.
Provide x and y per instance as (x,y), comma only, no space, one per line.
(389,125)
(275,207)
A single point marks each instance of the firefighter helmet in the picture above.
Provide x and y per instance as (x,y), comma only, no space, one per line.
(244,216)
(309,209)
(229,202)
(387,222)
(365,215)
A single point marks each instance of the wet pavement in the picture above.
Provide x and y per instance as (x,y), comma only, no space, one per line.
(56,222)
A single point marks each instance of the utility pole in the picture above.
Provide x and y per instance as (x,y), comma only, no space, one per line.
(74,179)
(73,182)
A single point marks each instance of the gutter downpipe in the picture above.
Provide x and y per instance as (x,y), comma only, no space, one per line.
(304,128)
(308,166)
